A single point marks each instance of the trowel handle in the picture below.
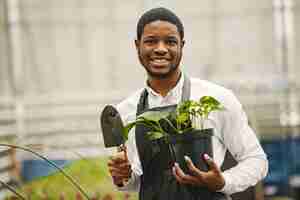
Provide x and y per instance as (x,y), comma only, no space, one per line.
(122,148)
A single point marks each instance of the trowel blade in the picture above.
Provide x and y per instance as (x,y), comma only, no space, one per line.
(112,127)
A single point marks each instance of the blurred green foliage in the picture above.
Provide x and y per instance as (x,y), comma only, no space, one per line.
(91,174)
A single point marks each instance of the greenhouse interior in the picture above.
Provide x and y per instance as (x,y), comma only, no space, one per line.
(63,61)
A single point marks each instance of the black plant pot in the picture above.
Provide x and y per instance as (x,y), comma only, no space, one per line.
(194,144)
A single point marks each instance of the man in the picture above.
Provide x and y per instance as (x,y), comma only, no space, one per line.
(159,44)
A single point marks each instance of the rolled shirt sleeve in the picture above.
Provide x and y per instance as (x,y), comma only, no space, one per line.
(243,144)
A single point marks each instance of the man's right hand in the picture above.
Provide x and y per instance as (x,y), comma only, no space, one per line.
(119,168)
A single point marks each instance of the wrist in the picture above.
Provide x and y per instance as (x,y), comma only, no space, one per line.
(225,185)
(220,186)
(120,184)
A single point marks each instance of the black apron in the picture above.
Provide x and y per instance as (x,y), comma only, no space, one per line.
(157,181)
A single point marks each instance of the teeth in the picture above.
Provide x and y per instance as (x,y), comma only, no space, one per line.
(160,60)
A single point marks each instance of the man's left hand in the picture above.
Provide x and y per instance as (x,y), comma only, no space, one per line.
(212,179)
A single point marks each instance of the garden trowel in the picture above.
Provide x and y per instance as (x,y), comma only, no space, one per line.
(112,127)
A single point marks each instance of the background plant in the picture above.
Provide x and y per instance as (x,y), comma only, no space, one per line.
(93,175)
(61,170)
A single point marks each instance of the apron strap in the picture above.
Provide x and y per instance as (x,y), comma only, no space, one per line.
(143,103)
(186,89)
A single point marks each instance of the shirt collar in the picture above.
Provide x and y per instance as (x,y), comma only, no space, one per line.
(176,91)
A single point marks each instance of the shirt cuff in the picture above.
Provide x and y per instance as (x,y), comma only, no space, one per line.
(227,186)
(131,185)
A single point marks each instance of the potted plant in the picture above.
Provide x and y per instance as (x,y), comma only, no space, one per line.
(180,131)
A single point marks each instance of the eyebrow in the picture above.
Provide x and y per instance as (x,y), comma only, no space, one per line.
(172,37)
(154,37)
(150,36)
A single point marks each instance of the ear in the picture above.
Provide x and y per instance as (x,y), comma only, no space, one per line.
(182,43)
(137,44)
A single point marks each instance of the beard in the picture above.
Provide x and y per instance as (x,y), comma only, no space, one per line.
(165,75)
(172,68)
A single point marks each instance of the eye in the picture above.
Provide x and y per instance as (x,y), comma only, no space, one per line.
(149,41)
(171,42)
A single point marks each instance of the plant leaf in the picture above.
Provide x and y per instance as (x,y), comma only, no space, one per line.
(154,135)
(154,115)
(153,125)
(170,125)
(127,129)
(209,100)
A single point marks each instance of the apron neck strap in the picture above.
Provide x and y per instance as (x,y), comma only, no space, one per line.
(143,103)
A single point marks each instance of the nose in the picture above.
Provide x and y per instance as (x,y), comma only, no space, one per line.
(161,48)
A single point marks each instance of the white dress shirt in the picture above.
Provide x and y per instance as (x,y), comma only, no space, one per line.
(231,131)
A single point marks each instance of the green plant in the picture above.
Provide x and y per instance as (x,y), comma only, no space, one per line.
(91,172)
(178,122)
(196,109)
(66,175)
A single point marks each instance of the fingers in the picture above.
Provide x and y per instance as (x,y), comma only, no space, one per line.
(125,152)
(122,148)
(212,179)
(183,178)
(119,167)
(120,175)
(193,169)
(117,159)
(212,165)
(123,169)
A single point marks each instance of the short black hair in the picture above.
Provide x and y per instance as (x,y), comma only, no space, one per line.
(162,14)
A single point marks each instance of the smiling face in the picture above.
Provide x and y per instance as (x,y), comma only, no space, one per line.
(160,49)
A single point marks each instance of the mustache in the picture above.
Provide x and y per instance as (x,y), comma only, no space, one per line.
(173,66)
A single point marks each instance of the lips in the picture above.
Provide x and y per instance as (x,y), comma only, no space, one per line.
(159,61)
